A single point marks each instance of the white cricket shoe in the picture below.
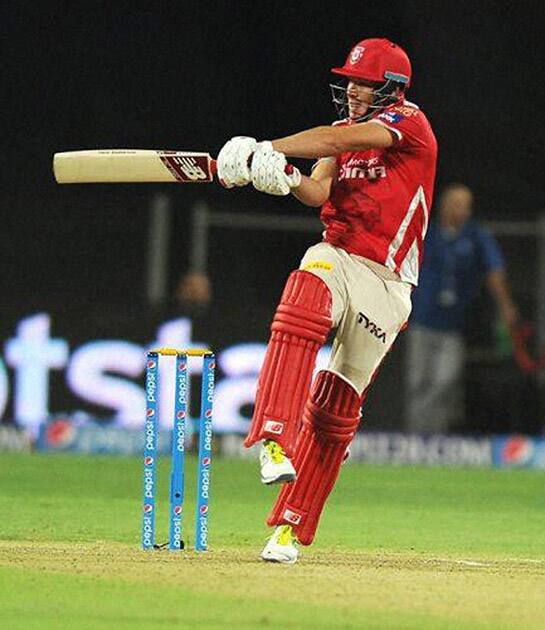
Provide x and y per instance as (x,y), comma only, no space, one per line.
(275,464)
(281,546)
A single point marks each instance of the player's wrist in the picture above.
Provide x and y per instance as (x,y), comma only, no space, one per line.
(293,176)
(265,145)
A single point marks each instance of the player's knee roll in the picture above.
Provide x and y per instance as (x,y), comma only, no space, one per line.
(334,408)
(305,308)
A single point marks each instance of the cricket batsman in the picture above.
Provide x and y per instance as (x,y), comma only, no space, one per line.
(373,180)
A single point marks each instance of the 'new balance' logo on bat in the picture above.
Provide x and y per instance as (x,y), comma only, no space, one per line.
(190,168)
(187,168)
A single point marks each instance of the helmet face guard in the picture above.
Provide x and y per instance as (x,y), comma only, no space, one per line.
(390,92)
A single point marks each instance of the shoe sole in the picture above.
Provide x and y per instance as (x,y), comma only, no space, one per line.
(277,561)
(286,478)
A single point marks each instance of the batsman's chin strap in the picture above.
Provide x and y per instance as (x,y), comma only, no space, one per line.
(520,336)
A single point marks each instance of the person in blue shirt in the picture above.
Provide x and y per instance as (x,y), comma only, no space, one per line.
(459,254)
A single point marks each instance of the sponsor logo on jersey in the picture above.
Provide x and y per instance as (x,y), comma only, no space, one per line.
(371,327)
(368,169)
(318,264)
(391,116)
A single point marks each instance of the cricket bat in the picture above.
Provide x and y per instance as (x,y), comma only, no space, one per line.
(133,165)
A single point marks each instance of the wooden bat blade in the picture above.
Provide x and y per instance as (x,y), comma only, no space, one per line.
(132,165)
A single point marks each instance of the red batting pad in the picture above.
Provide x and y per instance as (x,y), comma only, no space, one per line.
(300,327)
(330,420)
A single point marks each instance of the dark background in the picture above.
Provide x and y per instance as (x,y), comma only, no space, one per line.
(189,75)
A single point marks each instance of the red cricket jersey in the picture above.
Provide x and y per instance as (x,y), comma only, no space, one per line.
(379,205)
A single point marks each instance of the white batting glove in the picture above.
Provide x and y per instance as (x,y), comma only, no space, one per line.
(233,169)
(271,173)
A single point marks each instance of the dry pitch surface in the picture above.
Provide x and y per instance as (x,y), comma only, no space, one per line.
(86,584)
(100,582)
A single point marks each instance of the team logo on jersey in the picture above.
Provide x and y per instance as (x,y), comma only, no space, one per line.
(356,54)
(371,327)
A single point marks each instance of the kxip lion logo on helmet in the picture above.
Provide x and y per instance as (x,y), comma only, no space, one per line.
(356,54)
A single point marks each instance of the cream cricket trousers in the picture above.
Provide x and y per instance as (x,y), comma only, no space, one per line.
(370,306)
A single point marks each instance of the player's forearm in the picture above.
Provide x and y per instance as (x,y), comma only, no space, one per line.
(312,143)
(311,192)
(330,141)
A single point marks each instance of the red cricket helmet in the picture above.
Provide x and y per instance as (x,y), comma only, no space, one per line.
(381,62)
(377,60)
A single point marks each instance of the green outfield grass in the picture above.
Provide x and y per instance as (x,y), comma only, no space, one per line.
(397,548)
